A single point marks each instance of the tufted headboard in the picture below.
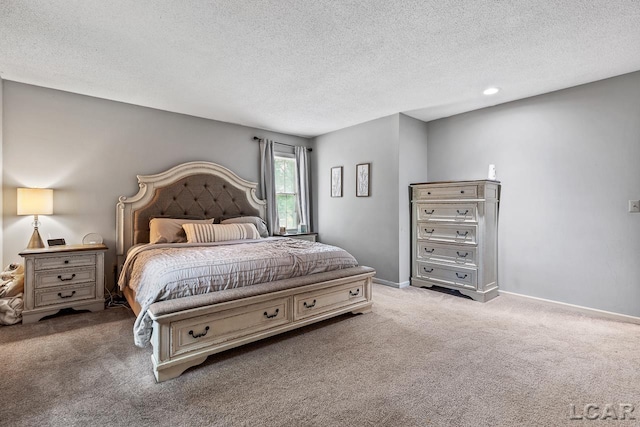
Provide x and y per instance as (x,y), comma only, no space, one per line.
(190,190)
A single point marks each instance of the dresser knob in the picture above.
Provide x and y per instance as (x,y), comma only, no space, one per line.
(66,296)
(206,329)
(271,316)
(66,261)
(461,191)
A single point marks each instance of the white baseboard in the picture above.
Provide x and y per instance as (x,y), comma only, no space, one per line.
(608,314)
(392,284)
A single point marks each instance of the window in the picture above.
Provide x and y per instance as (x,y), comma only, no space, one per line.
(285,180)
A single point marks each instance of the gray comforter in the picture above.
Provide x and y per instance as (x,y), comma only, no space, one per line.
(167,271)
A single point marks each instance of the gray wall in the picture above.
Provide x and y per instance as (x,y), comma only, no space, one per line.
(412,169)
(90,150)
(365,226)
(374,229)
(568,162)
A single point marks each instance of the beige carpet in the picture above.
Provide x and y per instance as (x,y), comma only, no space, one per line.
(421,358)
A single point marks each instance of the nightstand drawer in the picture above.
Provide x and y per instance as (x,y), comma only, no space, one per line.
(459,233)
(446,253)
(447,212)
(316,302)
(48,263)
(228,325)
(69,276)
(445,275)
(65,294)
(446,192)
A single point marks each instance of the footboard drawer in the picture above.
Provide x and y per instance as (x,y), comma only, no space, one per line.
(215,328)
(323,300)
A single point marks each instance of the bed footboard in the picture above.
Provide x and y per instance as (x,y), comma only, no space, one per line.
(186,337)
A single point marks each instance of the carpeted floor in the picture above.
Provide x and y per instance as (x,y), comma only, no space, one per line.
(420,358)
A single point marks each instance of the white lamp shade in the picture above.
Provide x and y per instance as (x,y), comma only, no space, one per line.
(35,201)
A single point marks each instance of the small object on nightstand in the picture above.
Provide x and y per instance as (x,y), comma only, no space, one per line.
(92,239)
(58,277)
(56,242)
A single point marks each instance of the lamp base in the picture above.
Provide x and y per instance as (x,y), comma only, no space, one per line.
(36,241)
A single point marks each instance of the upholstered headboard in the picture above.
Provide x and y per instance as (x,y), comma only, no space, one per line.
(190,190)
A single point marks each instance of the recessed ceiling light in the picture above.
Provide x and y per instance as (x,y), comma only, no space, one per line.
(491,91)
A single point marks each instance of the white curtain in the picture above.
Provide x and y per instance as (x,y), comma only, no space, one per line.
(302,183)
(267,184)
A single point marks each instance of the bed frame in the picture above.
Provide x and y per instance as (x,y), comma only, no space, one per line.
(187,330)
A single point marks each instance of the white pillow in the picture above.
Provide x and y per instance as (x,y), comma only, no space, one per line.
(255,220)
(205,233)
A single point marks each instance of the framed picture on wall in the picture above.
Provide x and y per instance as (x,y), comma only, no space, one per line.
(363,179)
(336,181)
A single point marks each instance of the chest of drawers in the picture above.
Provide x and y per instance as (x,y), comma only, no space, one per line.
(454,234)
(60,277)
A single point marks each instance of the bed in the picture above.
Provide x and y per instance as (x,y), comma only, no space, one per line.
(185,327)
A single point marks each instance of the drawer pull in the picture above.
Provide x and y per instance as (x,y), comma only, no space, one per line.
(271,316)
(462,213)
(429,251)
(429,213)
(459,234)
(464,276)
(313,304)
(429,192)
(66,279)
(462,256)
(429,232)
(206,329)
(427,271)
(66,296)
(66,261)
(461,191)
(354,294)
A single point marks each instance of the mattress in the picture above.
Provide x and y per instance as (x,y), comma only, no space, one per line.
(162,272)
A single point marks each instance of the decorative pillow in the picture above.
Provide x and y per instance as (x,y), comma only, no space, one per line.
(255,220)
(169,230)
(204,233)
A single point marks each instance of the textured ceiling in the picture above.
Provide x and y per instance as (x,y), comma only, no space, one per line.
(311,67)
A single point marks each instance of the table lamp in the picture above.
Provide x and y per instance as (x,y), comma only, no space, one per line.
(35,201)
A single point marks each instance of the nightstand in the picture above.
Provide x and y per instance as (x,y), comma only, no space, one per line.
(312,237)
(70,276)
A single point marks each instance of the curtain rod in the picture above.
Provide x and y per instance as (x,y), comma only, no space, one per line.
(281,143)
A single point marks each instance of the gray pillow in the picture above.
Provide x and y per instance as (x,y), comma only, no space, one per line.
(255,220)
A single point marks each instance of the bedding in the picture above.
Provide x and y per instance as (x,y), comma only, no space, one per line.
(169,230)
(207,233)
(168,271)
(255,220)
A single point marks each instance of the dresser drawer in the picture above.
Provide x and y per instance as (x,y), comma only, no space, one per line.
(445,275)
(320,301)
(67,276)
(446,192)
(64,294)
(62,261)
(202,331)
(451,233)
(447,212)
(446,253)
